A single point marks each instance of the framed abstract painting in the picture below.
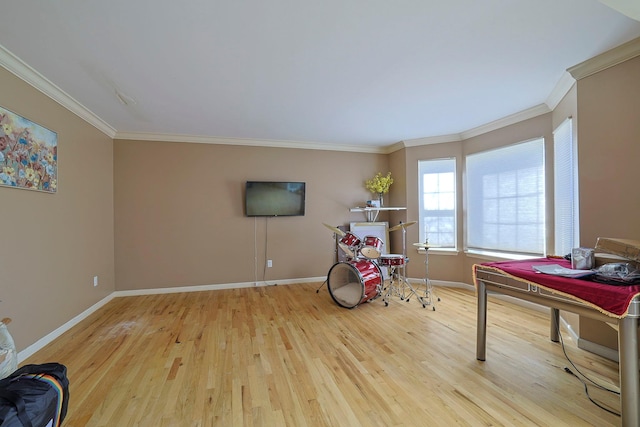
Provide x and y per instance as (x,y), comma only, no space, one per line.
(28,154)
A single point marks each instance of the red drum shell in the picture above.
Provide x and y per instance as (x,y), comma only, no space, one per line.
(371,247)
(353,282)
(350,244)
(389,260)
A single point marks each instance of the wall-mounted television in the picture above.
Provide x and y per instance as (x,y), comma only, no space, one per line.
(268,198)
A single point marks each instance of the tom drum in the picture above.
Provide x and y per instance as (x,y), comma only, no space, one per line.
(350,243)
(371,247)
(354,282)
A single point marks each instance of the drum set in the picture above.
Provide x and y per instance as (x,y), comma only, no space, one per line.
(359,279)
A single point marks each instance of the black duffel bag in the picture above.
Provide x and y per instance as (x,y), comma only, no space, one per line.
(34,396)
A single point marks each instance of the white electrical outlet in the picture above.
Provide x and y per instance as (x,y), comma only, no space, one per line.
(95,280)
(269,263)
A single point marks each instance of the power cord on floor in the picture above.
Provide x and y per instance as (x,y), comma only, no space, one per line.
(586,386)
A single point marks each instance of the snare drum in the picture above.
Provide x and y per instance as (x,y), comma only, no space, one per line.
(372,247)
(391,260)
(353,282)
(350,243)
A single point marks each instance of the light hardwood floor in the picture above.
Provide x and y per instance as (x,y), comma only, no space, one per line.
(288,356)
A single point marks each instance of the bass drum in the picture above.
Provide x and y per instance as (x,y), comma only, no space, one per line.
(353,282)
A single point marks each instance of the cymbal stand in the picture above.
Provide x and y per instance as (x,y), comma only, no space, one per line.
(406,285)
(323,283)
(429,297)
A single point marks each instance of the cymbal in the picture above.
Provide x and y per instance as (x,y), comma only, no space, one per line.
(335,229)
(402,225)
(423,245)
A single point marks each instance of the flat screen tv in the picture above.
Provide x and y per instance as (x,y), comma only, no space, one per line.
(267,198)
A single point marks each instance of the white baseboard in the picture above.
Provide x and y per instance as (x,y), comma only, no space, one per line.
(200,288)
(600,350)
(42,342)
(443,283)
(512,300)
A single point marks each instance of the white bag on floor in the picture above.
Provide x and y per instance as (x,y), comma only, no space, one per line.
(8,355)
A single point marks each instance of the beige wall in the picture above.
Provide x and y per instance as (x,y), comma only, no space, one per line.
(608,153)
(51,245)
(179,212)
(398,198)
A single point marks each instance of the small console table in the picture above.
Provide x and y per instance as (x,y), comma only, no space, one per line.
(613,304)
(371,213)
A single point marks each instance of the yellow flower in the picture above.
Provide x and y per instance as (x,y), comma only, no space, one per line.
(9,171)
(32,176)
(379,184)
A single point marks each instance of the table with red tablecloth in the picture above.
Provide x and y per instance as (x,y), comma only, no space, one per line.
(612,300)
(610,303)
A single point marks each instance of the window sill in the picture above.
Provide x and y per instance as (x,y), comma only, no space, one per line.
(498,256)
(440,251)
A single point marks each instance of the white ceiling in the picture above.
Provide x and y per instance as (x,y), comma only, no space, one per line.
(348,72)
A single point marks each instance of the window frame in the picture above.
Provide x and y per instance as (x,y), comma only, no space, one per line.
(565,175)
(518,180)
(440,166)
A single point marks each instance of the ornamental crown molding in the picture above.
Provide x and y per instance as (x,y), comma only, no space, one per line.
(24,72)
(518,117)
(631,8)
(429,140)
(608,59)
(512,119)
(216,140)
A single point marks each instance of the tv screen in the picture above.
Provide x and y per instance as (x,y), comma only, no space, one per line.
(263,198)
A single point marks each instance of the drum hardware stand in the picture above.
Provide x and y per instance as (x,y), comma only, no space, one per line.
(405,282)
(336,233)
(429,295)
(394,287)
(404,288)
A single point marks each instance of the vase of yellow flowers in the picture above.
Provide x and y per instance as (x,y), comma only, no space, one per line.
(379,185)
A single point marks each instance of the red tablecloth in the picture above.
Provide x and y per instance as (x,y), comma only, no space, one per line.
(612,300)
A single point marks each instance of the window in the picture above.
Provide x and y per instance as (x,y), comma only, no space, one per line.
(565,189)
(437,211)
(506,199)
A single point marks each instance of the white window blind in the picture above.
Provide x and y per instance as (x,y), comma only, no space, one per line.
(565,189)
(506,199)
(437,211)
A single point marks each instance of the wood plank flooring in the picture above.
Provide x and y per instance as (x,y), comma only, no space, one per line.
(288,356)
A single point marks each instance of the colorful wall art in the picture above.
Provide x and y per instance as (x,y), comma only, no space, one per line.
(28,154)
